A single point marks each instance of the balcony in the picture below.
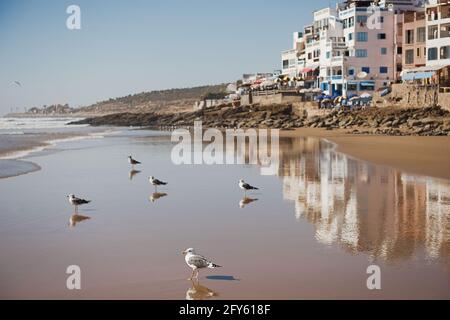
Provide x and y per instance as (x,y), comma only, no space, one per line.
(337,59)
(291,51)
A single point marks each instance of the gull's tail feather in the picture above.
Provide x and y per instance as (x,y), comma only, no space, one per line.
(213,266)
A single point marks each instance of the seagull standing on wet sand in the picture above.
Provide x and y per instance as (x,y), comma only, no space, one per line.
(132,161)
(77,201)
(197,262)
(156,182)
(245,186)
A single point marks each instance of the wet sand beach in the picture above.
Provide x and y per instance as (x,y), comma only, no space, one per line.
(310,232)
(429,156)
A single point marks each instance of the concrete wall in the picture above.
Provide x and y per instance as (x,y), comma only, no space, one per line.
(270,99)
(411,96)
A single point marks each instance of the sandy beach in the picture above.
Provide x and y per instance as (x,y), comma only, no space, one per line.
(326,215)
(428,156)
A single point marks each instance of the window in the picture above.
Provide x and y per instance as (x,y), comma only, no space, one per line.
(409,56)
(432,32)
(328,55)
(383,69)
(361,53)
(361,19)
(365,69)
(399,50)
(445,30)
(367,86)
(421,34)
(418,52)
(352,86)
(381,36)
(285,64)
(350,36)
(351,72)
(380,19)
(432,54)
(409,36)
(383,51)
(445,52)
(361,36)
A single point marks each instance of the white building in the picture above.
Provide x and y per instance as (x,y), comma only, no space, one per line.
(293,60)
(355,46)
(438,32)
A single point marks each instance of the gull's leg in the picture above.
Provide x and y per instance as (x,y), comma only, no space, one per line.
(192,275)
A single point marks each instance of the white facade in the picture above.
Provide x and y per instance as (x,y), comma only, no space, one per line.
(355,46)
(293,60)
(438,33)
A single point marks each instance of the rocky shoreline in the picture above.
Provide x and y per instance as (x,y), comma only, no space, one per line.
(431,121)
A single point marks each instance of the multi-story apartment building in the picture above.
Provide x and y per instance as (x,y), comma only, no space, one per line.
(293,60)
(362,59)
(414,40)
(353,48)
(438,32)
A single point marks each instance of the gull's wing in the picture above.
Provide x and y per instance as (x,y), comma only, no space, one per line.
(80,201)
(199,261)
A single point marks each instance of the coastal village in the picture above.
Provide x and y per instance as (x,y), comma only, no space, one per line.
(369,67)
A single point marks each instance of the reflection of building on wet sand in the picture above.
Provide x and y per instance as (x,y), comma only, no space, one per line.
(363,207)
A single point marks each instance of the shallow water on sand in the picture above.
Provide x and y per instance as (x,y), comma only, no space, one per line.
(315,228)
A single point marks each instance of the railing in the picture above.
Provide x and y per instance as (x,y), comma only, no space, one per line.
(337,59)
(335,77)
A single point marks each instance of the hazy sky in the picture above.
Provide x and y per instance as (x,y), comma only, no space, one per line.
(127,47)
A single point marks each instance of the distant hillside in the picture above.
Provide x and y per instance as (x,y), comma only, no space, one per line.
(194,93)
(161,101)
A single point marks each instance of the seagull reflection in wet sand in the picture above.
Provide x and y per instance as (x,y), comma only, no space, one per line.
(246,201)
(199,292)
(77,218)
(133,173)
(157,196)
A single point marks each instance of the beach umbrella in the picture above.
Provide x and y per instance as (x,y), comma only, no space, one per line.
(352,95)
(328,97)
(366,96)
(354,98)
(362,75)
(326,100)
(320,98)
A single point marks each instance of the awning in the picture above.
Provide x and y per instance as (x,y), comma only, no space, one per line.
(427,68)
(418,75)
(368,84)
(422,72)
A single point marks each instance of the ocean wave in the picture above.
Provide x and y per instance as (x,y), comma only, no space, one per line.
(19,154)
(37,123)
